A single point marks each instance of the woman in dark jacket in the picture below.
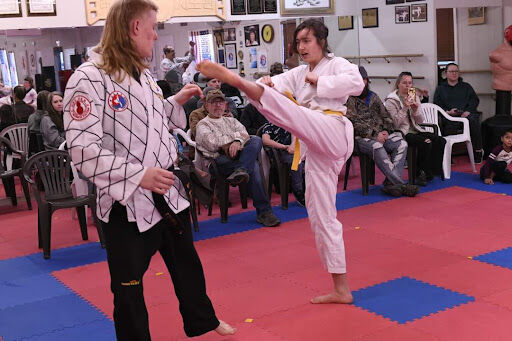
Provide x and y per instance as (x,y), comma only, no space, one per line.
(52,124)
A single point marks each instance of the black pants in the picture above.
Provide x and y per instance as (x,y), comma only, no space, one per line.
(430,155)
(501,173)
(453,128)
(129,253)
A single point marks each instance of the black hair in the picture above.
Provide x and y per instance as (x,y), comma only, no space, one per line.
(450,64)
(320,31)
(30,80)
(505,131)
(42,100)
(19,92)
(168,49)
(7,115)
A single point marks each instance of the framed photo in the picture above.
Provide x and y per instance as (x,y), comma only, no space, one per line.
(41,7)
(394,2)
(307,6)
(231,59)
(370,17)
(476,15)
(230,34)
(10,8)
(219,37)
(345,22)
(252,35)
(254,6)
(402,14)
(238,7)
(221,58)
(419,13)
(269,6)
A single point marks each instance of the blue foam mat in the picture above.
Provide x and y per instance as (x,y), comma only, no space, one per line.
(406,299)
(100,330)
(501,258)
(45,316)
(29,289)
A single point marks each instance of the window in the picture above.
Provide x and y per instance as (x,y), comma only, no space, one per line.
(204,45)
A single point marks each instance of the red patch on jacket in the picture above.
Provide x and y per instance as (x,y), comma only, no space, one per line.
(79,108)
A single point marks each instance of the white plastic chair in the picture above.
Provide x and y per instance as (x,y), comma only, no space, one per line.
(430,115)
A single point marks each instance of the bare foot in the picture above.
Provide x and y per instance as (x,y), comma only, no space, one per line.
(214,70)
(225,329)
(334,297)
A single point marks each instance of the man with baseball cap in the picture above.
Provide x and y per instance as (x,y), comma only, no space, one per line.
(225,141)
(376,137)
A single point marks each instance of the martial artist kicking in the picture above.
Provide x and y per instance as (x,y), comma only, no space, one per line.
(321,89)
(117,130)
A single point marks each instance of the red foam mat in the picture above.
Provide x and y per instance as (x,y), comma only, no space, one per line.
(269,275)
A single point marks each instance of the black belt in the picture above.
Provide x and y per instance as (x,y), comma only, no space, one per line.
(163,208)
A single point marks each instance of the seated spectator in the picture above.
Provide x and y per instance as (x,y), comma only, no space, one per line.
(6,116)
(194,118)
(404,107)
(458,98)
(225,141)
(376,137)
(52,123)
(280,139)
(217,84)
(495,167)
(173,79)
(21,109)
(34,120)
(5,94)
(31,94)
(252,119)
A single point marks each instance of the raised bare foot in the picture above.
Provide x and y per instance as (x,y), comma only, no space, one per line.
(225,329)
(334,297)
(214,70)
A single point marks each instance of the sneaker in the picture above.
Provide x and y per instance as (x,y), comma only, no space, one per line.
(421,179)
(479,156)
(268,218)
(299,196)
(393,190)
(237,177)
(410,190)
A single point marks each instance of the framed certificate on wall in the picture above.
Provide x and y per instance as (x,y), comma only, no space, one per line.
(10,8)
(238,7)
(41,7)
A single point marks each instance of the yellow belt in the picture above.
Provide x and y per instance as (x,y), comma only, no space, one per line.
(296,152)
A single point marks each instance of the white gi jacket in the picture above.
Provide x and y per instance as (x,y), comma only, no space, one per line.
(31,98)
(337,80)
(114,131)
(176,64)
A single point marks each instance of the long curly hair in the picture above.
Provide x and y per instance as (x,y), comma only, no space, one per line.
(116,46)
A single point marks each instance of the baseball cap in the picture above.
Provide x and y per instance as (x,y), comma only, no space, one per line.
(213,94)
(363,72)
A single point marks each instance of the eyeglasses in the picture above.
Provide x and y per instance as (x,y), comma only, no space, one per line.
(453,71)
(219,102)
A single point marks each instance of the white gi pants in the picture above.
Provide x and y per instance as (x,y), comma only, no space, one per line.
(329,140)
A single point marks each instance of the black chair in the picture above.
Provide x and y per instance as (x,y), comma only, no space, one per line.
(222,191)
(54,169)
(11,165)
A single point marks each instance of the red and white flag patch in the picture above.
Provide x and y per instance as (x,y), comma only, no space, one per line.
(79,108)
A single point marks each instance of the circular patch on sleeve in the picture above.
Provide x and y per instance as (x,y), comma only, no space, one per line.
(80,107)
(117,101)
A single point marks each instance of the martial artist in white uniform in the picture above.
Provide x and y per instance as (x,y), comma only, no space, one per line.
(117,131)
(323,85)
